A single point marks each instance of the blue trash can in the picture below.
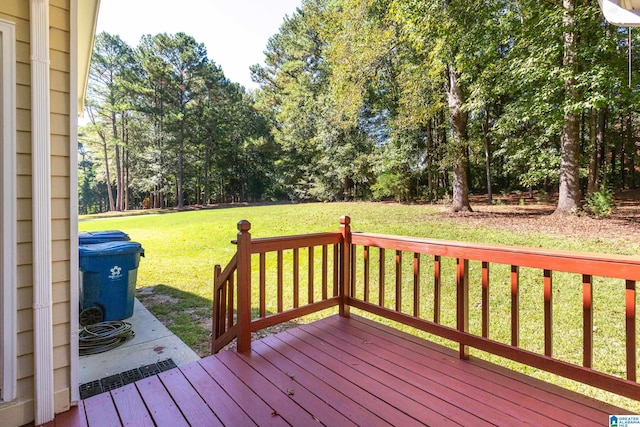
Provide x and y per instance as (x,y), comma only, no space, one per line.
(92,237)
(108,273)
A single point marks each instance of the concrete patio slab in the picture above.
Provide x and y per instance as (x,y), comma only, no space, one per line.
(152,343)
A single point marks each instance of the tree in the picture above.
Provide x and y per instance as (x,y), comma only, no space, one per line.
(108,105)
(569,193)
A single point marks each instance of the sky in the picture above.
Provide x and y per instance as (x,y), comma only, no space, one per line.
(235,32)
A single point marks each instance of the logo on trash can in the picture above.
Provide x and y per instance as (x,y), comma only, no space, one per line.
(116,272)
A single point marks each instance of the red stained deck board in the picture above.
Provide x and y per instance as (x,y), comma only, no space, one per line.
(332,396)
(161,406)
(278,399)
(415,394)
(359,387)
(101,411)
(256,408)
(194,409)
(131,407)
(74,417)
(513,391)
(302,393)
(560,404)
(225,408)
(455,391)
(339,372)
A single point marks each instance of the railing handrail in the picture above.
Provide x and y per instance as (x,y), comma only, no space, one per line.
(298,241)
(626,267)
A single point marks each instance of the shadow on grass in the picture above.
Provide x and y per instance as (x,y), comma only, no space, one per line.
(189,316)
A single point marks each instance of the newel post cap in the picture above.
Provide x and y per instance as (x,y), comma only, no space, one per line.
(244,225)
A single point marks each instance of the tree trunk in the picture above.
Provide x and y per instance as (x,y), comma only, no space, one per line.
(179,183)
(624,127)
(117,160)
(207,164)
(459,119)
(600,139)
(569,193)
(430,145)
(630,148)
(105,152)
(592,180)
(487,151)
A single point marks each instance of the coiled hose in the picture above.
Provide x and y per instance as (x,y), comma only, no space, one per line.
(104,336)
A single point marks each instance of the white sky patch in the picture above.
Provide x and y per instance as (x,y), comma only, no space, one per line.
(235,32)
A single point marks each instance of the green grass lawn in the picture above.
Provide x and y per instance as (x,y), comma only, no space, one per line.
(182,248)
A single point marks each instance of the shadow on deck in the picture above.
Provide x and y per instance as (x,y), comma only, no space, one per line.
(336,372)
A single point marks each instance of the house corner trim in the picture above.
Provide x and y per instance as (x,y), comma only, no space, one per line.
(41,176)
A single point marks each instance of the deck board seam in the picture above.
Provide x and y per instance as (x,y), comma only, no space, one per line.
(547,394)
(422,389)
(320,371)
(313,382)
(514,397)
(393,398)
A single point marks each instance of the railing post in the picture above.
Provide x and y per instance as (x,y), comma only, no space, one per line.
(345,265)
(244,287)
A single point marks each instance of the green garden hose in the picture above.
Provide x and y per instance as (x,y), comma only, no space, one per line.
(104,336)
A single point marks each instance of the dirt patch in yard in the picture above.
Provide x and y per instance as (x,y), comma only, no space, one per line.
(517,213)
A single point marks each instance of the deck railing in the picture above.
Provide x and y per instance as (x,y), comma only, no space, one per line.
(405,279)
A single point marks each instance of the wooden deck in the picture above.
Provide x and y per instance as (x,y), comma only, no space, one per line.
(338,372)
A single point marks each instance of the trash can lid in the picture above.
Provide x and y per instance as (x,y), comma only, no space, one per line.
(110,248)
(89,237)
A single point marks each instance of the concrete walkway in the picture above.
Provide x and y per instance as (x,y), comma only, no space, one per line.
(152,343)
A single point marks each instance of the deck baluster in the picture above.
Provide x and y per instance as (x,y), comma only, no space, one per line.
(462,286)
(310,277)
(336,270)
(296,278)
(485,299)
(280,282)
(263,309)
(325,272)
(365,255)
(587,316)
(436,289)
(515,305)
(416,284)
(352,268)
(630,311)
(548,313)
(381,276)
(399,281)
(228,309)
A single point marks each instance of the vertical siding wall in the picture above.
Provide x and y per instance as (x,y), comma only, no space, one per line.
(21,410)
(60,35)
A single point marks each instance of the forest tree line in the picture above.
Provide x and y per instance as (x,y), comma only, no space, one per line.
(370,100)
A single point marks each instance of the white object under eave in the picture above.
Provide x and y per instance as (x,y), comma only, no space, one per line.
(87,19)
(41,181)
(623,13)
